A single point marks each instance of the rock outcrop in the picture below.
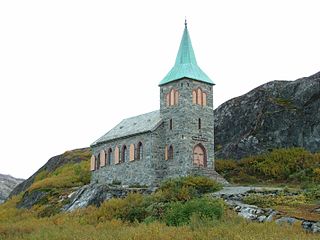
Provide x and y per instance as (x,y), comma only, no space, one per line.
(234,197)
(277,114)
(7,184)
(53,163)
(95,194)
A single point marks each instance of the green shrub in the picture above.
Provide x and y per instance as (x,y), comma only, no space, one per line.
(185,188)
(275,200)
(66,176)
(312,192)
(41,175)
(179,213)
(287,165)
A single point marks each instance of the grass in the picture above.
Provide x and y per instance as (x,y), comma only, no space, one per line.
(177,202)
(67,226)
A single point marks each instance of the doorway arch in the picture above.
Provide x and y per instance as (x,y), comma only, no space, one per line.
(199,156)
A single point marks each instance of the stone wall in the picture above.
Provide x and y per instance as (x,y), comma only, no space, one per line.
(140,171)
(185,134)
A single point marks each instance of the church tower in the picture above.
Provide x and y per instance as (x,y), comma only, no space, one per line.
(186,108)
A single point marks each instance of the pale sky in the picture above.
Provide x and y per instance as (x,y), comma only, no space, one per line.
(71,70)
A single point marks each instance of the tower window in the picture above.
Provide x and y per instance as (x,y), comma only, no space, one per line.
(172,98)
(199,97)
(170,124)
(199,123)
(204,99)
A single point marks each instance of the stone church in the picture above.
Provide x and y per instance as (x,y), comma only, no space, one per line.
(177,140)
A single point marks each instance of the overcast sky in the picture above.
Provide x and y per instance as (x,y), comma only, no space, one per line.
(71,70)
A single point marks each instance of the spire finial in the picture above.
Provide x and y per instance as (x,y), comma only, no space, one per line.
(185,22)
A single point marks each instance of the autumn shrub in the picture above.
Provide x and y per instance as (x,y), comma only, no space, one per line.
(274,200)
(41,175)
(66,176)
(225,165)
(185,188)
(180,213)
(77,155)
(291,165)
(312,192)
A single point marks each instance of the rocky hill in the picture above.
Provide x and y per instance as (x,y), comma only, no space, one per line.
(74,156)
(274,115)
(7,183)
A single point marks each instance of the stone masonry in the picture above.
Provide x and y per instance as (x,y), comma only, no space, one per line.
(176,141)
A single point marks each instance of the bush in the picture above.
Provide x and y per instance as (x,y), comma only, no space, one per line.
(179,213)
(288,165)
(130,209)
(275,200)
(68,175)
(186,188)
(312,192)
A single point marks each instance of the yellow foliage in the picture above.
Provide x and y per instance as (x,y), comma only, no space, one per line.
(92,223)
(316,172)
(294,165)
(68,175)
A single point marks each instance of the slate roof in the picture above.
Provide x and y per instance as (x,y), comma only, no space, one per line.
(186,64)
(130,126)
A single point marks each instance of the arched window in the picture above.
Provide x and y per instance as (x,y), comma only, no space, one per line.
(172,98)
(139,151)
(170,124)
(194,97)
(93,163)
(199,156)
(199,97)
(170,152)
(131,152)
(116,155)
(199,123)
(109,156)
(176,97)
(204,99)
(102,158)
(123,153)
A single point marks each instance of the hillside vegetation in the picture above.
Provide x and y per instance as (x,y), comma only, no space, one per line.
(295,169)
(180,209)
(287,165)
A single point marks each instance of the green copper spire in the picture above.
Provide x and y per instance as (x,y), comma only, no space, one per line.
(186,64)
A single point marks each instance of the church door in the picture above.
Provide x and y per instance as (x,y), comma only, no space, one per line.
(199,156)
